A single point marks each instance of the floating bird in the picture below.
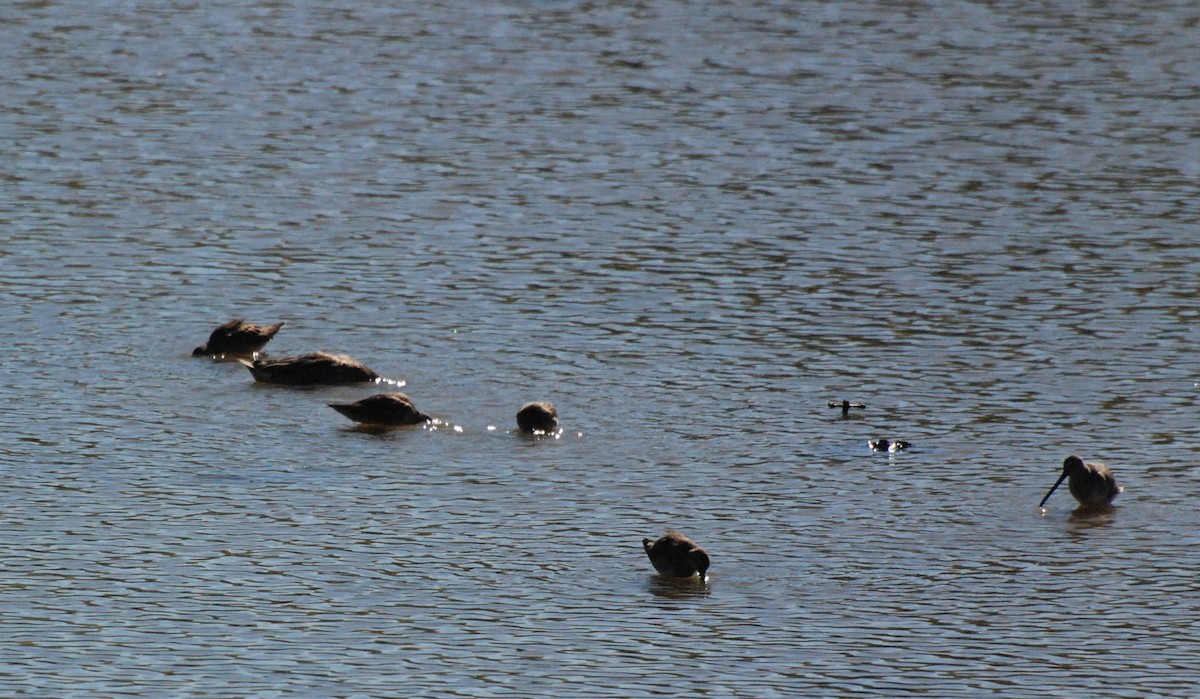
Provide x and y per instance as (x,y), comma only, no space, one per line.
(846,406)
(885,445)
(537,417)
(382,409)
(237,337)
(1092,484)
(310,369)
(677,556)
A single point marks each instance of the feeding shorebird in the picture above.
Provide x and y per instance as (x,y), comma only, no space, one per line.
(382,409)
(677,556)
(237,337)
(1092,484)
(539,416)
(310,369)
(846,405)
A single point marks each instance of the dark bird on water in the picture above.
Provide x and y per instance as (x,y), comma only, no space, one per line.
(382,409)
(677,556)
(237,337)
(1092,484)
(846,406)
(310,369)
(885,445)
(539,416)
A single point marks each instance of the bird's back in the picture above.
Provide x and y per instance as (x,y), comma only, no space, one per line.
(676,556)
(313,368)
(1094,485)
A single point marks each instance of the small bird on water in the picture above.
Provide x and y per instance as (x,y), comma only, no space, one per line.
(846,405)
(677,556)
(1092,484)
(237,337)
(310,369)
(388,409)
(538,416)
(885,445)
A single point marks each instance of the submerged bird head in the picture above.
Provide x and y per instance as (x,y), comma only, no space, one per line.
(699,559)
(537,417)
(200,351)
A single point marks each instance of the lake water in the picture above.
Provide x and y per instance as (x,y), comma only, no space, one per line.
(687,224)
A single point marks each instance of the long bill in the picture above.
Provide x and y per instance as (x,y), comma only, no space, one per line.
(1057,483)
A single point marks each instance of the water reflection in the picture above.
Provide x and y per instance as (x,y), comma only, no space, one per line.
(1093,517)
(1086,517)
(768,206)
(379,430)
(398,431)
(538,435)
(679,588)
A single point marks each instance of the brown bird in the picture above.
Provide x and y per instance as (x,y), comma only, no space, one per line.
(237,337)
(677,556)
(310,369)
(537,417)
(382,409)
(1092,484)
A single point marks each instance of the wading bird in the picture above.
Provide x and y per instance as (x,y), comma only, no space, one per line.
(1092,484)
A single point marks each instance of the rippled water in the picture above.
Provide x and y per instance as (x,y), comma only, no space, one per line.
(689,225)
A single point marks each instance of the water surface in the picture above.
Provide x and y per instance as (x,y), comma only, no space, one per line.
(688,226)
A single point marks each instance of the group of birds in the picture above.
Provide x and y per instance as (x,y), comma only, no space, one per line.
(893,446)
(673,555)
(240,341)
(1092,484)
